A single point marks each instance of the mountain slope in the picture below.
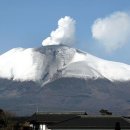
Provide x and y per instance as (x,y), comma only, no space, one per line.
(65,94)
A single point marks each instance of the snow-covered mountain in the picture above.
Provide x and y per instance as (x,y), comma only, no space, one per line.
(58,77)
(48,63)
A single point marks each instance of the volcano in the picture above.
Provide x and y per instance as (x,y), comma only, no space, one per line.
(62,78)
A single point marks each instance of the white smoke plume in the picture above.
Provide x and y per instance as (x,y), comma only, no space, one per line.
(113,31)
(64,34)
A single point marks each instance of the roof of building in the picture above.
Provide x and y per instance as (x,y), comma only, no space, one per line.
(55,117)
(92,122)
(79,120)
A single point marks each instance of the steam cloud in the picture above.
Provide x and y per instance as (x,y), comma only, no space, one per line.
(64,34)
(113,31)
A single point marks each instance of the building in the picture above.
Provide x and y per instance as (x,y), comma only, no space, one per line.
(77,121)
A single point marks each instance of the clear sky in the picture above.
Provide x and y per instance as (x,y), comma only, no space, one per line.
(26,23)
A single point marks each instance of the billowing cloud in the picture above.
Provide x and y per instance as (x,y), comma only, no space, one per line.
(64,34)
(112,31)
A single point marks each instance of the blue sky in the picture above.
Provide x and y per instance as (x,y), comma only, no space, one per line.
(27,23)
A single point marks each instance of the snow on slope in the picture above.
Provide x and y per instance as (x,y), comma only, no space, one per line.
(22,64)
(108,69)
(50,62)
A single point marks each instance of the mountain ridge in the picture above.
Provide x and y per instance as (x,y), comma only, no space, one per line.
(44,63)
